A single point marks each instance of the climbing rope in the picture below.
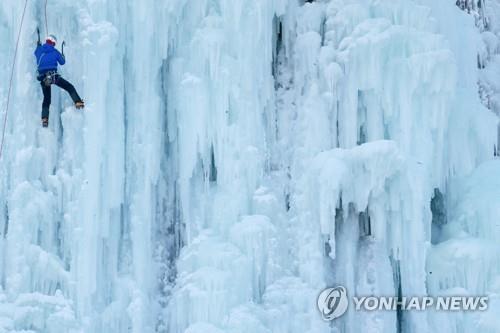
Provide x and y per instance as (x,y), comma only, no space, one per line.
(12,78)
(46,21)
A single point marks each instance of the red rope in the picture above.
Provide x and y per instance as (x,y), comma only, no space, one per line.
(12,79)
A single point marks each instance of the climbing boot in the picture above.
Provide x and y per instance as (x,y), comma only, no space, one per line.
(79,105)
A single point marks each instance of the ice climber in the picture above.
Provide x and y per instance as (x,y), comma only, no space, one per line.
(48,57)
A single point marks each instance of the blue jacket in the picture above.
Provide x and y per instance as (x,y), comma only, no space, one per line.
(47,58)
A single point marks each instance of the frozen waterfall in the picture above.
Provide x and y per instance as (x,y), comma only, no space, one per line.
(236,157)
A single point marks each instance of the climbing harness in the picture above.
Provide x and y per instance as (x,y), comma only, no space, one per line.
(12,78)
(48,78)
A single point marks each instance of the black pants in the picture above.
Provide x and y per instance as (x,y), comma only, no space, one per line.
(47,93)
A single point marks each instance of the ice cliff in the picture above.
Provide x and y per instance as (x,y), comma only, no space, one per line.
(238,156)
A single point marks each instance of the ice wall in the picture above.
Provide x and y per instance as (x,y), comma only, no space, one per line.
(235,157)
(77,244)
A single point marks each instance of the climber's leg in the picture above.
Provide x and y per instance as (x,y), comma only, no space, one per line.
(46,100)
(62,83)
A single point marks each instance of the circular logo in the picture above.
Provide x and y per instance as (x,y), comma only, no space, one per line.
(333,302)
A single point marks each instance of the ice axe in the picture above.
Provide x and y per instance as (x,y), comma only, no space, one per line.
(39,41)
(62,47)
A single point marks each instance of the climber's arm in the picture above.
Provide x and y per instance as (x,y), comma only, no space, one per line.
(61,59)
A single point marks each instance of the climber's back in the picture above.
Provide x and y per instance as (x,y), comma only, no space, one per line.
(48,57)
